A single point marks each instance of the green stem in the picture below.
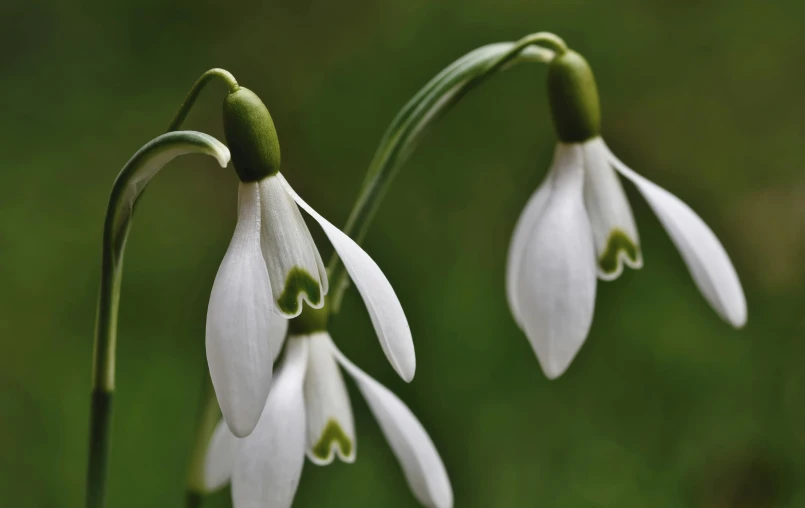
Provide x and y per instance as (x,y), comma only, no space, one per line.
(206,420)
(198,86)
(100,437)
(128,187)
(432,102)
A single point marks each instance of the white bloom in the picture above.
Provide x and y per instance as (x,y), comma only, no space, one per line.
(577,227)
(271,266)
(308,412)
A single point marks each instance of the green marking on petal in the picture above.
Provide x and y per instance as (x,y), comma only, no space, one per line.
(332,435)
(618,242)
(297,282)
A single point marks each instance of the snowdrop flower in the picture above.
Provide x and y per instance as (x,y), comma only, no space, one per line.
(578,227)
(271,267)
(308,412)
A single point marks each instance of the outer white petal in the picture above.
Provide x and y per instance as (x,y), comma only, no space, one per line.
(522,231)
(294,264)
(278,337)
(241,326)
(421,464)
(557,280)
(384,308)
(269,462)
(220,458)
(330,426)
(707,261)
(613,226)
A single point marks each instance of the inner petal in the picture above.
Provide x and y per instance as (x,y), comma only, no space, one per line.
(330,425)
(291,257)
(613,227)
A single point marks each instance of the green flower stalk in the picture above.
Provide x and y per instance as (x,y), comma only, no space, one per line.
(430,104)
(128,187)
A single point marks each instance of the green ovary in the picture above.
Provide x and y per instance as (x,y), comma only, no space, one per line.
(298,281)
(333,434)
(618,241)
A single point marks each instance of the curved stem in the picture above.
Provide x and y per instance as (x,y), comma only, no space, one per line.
(423,110)
(194,92)
(128,187)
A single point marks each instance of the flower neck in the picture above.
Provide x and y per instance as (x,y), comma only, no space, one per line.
(573,98)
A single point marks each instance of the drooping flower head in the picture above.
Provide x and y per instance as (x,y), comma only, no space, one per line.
(578,227)
(273,268)
(308,413)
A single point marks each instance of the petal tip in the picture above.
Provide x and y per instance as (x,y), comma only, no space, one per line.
(737,315)
(241,427)
(739,321)
(333,441)
(555,365)
(621,249)
(330,458)
(288,315)
(406,372)
(319,461)
(553,372)
(623,260)
(610,276)
(318,305)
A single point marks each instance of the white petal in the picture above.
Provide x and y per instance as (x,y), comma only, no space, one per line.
(241,326)
(278,337)
(522,232)
(269,462)
(613,226)
(330,427)
(421,464)
(557,279)
(384,308)
(294,264)
(219,458)
(707,261)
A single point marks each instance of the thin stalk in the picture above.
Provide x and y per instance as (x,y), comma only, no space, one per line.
(196,89)
(128,187)
(432,102)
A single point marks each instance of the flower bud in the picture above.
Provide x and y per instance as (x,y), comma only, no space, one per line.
(251,136)
(573,97)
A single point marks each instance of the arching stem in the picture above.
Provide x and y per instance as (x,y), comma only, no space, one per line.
(196,89)
(128,187)
(432,102)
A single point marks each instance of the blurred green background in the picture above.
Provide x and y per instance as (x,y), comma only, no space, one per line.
(665,406)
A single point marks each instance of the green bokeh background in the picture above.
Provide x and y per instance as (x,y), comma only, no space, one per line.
(665,406)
